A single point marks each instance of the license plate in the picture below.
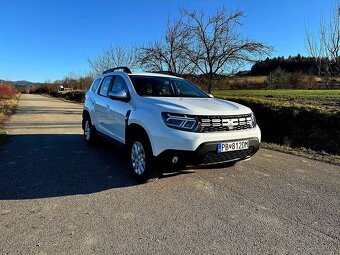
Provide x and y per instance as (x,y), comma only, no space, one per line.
(233,146)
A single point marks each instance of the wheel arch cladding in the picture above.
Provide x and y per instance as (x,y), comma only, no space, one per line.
(133,129)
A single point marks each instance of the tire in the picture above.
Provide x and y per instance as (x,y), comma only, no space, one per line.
(142,162)
(89,134)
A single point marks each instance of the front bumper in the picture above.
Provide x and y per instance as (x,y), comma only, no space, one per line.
(206,154)
(166,138)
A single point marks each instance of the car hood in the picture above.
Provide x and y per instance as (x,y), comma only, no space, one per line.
(196,106)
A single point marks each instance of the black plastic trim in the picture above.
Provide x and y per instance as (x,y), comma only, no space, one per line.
(114,141)
(196,157)
(123,68)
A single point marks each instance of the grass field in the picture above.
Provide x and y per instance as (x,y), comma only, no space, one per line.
(322,100)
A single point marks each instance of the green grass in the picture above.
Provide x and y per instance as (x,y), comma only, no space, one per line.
(322,100)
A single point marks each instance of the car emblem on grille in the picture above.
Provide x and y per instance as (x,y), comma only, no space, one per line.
(230,123)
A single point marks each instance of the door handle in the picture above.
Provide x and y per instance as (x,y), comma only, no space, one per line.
(107,107)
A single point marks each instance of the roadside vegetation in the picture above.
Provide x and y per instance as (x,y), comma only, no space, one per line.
(294,118)
(8,101)
(303,152)
(74,88)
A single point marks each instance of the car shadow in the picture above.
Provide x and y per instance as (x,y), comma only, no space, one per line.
(52,165)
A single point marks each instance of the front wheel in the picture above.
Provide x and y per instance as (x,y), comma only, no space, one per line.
(141,159)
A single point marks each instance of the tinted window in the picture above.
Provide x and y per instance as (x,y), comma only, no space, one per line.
(95,85)
(184,89)
(165,87)
(119,84)
(104,88)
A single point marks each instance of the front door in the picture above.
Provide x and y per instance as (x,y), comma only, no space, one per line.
(118,110)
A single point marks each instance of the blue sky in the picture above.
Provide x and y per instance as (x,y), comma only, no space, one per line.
(45,40)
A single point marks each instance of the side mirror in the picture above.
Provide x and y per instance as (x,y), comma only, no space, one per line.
(210,95)
(120,95)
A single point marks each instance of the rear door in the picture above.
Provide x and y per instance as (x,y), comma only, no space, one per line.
(101,106)
(90,99)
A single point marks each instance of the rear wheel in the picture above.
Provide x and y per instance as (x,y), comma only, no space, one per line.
(141,159)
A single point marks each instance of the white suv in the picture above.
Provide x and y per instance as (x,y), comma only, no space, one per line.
(166,119)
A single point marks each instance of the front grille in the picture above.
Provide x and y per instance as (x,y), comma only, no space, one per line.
(215,157)
(224,123)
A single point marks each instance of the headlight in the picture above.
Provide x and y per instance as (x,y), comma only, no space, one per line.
(180,121)
(253,119)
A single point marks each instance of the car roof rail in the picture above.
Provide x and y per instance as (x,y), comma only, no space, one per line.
(119,68)
(166,72)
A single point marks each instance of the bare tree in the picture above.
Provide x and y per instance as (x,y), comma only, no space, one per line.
(216,46)
(168,54)
(114,55)
(324,45)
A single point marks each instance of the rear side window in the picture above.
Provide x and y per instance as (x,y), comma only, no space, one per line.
(104,88)
(95,85)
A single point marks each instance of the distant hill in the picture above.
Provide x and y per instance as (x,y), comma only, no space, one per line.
(22,84)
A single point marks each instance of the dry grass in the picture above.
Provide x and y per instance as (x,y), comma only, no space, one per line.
(246,82)
(7,107)
(303,152)
(295,81)
(253,79)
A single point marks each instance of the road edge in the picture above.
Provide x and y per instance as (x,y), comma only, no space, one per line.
(303,152)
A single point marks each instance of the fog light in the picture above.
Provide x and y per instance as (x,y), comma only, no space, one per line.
(174,160)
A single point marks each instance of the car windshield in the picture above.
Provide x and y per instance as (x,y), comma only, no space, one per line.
(165,87)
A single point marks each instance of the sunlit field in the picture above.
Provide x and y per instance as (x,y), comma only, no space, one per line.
(323,100)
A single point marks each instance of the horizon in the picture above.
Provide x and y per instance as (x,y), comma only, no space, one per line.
(42,41)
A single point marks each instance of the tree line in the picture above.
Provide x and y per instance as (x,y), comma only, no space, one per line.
(292,64)
(323,46)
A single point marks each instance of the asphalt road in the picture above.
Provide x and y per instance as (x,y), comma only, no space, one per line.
(60,196)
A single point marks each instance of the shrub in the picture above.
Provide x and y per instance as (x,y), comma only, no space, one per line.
(279,79)
(7,91)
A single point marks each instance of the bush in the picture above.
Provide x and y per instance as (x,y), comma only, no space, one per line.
(69,84)
(279,79)
(77,95)
(7,91)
